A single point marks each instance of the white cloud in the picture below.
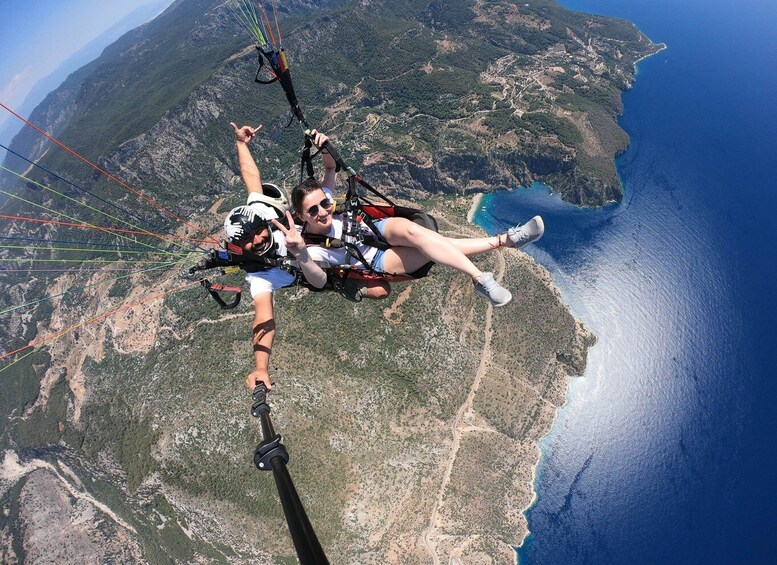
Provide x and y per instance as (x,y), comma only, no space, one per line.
(15,91)
(17,87)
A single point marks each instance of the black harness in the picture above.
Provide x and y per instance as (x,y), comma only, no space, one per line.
(234,257)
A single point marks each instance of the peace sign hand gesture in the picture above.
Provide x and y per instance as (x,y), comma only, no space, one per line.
(294,242)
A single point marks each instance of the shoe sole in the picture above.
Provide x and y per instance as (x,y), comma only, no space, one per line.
(541,224)
(495,304)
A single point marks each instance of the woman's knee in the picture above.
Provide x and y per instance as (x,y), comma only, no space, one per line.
(377,290)
(404,230)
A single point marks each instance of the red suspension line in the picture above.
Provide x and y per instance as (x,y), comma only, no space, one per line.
(107,174)
(100,228)
(266,20)
(277,27)
(96,319)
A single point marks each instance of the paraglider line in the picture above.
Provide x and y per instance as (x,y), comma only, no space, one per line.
(66,197)
(86,191)
(92,227)
(92,320)
(42,239)
(32,248)
(107,174)
(100,283)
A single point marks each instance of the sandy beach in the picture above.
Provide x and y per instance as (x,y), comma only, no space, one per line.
(474,206)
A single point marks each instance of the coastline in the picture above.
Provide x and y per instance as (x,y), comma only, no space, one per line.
(661,47)
(668,119)
(581,334)
(534,495)
(584,340)
(473,208)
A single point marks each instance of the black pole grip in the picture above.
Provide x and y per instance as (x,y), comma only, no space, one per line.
(259,405)
(271,454)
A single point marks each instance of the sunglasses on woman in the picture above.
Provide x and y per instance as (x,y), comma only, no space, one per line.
(326,204)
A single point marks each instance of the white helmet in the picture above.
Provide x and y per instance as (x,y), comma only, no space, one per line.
(273,196)
(241,223)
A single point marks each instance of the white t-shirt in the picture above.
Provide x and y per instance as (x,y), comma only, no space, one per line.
(275,278)
(326,257)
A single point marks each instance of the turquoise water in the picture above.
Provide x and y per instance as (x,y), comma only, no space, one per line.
(665,452)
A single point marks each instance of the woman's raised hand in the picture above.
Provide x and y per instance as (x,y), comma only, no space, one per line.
(319,139)
(294,242)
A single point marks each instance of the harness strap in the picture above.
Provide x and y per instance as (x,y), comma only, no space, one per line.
(259,71)
(306,162)
(315,240)
(214,289)
(376,233)
(368,186)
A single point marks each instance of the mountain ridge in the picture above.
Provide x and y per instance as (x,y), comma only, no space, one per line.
(534,111)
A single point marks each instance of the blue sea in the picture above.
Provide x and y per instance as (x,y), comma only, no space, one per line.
(666,451)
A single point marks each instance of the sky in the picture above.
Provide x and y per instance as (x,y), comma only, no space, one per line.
(36,36)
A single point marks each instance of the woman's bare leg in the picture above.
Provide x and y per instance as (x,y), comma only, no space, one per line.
(478,245)
(422,245)
(401,232)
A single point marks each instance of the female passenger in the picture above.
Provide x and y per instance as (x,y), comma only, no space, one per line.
(412,245)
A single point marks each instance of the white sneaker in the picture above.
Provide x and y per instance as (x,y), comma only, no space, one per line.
(487,287)
(524,234)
